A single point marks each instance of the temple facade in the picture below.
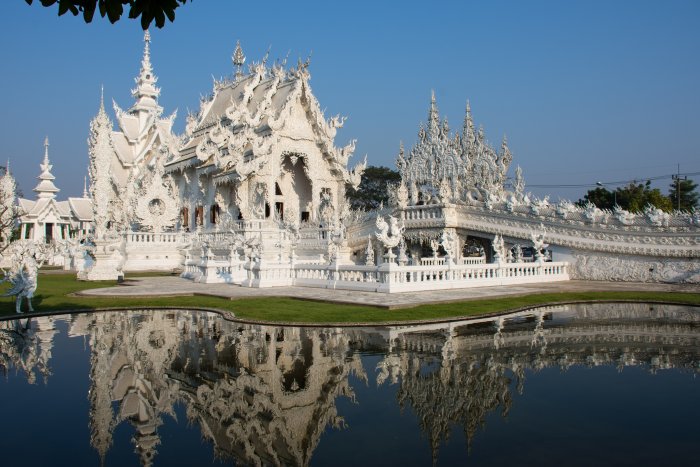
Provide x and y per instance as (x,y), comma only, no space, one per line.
(260,149)
(45,219)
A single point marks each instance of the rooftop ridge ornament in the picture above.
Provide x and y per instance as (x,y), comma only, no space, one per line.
(46,188)
(146,91)
(46,152)
(238,59)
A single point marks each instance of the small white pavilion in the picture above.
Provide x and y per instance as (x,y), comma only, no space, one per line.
(45,219)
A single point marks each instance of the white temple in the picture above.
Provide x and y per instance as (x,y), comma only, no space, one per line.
(45,219)
(254,194)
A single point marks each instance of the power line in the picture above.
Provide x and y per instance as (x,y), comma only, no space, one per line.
(617,182)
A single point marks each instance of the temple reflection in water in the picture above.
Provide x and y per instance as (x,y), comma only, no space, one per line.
(265,395)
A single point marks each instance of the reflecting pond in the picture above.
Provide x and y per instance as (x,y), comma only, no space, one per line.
(594,384)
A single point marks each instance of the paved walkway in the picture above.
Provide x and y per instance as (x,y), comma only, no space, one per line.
(173,286)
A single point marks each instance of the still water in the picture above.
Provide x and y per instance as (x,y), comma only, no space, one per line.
(603,384)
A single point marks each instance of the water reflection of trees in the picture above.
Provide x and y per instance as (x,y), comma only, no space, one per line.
(264,394)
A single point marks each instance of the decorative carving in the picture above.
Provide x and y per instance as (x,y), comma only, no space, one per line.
(156,206)
(603,267)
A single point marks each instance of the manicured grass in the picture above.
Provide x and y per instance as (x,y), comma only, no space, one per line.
(55,289)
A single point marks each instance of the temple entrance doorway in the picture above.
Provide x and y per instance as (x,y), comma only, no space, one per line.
(293,191)
(48,231)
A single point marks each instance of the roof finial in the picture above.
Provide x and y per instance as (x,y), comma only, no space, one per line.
(85,192)
(7,168)
(238,59)
(46,150)
(146,93)
(102,97)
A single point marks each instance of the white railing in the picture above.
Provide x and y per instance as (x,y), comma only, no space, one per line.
(440,260)
(153,238)
(432,261)
(473,260)
(423,212)
(390,277)
(417,278)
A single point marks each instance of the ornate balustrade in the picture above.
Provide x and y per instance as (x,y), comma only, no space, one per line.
(136,238)
(423,212)
(414,278)
(473,260)
(390,277)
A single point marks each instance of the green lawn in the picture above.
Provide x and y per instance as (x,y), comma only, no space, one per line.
(54,294)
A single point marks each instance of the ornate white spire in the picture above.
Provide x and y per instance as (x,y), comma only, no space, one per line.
(85,192)
(467,129)
(433,116)
(46,188)
(101,150)
(238,59)
(146,92)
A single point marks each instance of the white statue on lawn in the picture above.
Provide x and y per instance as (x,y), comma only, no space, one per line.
(23,275)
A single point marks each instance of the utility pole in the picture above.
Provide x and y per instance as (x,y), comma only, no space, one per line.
(678,179)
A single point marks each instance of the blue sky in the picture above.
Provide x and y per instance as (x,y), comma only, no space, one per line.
(585,91)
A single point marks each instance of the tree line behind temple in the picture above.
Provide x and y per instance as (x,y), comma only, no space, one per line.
(634,197)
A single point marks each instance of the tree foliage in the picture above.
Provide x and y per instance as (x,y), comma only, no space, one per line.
(634,197)
(373,189)
(689,197)
(147,10)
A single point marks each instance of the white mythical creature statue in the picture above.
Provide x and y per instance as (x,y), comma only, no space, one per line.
(656,216)
(623,216)
(591,212)
(538,245)
(23,275)
(336,235)
(564,208)
(537,205)
(518,254)
(448,243)
(389,234)
(499,249)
